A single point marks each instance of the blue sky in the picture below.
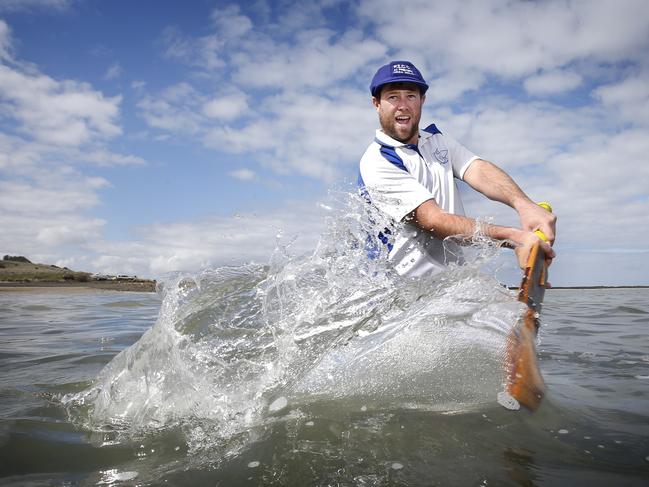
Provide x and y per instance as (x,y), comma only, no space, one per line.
(151,136)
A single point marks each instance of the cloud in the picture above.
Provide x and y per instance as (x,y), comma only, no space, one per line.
(30,5)
(229,22)
(243,174)
(203,53)
(49,210)
(6,45)
(312,135)
(552,82)
(628,98)
(212,241)
(51,131)
(313,59)
(51,195)
(588,167)
(523,37)
(62,113)
(113,72)
(178,108)
(227,105)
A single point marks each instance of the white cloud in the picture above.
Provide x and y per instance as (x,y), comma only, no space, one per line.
(51,129)
(213,241)
(511,39)
(517,135)
(452,85)
(244,174)
(314,59)
(17,5)
(585,165)
(64,191)
(76,232)
(138,86)
(203,53)
(628,98)
(114,71)
(6,47)
(178,108)
(552,82)
(227,105)
(312,134)
(63,113)
(229,22)
(48,211)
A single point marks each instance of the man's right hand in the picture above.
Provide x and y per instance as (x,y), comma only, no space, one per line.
(534,217)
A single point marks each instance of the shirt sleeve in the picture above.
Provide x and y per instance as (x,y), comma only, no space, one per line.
(391,189)
(461,157)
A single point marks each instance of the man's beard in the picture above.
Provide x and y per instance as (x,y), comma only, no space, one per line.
(390,127)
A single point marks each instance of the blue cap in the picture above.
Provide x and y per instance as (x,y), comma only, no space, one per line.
(397,72)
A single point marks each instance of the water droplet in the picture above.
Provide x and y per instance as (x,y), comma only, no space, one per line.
(396,466)
(563,432)
(278,404)
(254,464)
(364,408)
(507,401)
(309,423)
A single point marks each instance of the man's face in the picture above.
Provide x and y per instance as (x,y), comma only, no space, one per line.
(399,109)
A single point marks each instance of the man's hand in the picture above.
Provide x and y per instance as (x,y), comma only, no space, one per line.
(534,217)
(525,244)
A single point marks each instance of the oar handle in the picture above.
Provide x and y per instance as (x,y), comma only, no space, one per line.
(539,233)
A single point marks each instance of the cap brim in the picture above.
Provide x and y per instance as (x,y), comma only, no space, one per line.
(400,80)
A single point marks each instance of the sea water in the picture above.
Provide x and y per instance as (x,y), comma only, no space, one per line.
(324,368)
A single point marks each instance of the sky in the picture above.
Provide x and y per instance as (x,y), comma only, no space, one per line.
(145,137)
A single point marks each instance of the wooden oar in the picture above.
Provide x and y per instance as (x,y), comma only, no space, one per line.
(524,380)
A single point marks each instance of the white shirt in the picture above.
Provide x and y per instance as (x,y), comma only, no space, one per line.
(399,177)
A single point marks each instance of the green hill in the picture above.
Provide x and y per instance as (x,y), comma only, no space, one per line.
(20,269)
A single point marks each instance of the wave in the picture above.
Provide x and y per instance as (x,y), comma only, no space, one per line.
(236,347)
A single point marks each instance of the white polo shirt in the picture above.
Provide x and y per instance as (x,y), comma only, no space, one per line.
(399,177)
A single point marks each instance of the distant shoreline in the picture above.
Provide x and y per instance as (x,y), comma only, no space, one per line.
(143,286)
(148,286)
(590,287)
(600,287)
(17,273)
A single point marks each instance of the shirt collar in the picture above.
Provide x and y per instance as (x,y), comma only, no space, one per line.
(384,139)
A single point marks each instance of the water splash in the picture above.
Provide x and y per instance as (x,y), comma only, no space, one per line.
(234,347)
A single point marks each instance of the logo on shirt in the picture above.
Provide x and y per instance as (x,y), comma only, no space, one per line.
(441,155)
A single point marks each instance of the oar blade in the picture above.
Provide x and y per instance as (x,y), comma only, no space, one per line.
(524,380)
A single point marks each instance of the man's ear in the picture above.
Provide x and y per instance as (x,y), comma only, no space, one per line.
(376,102)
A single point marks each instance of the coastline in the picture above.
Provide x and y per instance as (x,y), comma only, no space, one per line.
(142,286)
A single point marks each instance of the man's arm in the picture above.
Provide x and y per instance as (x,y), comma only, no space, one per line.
(441,224)
(497,185)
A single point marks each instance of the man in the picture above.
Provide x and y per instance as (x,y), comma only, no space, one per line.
(408,174)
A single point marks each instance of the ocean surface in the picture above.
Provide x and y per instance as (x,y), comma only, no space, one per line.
(319,370)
